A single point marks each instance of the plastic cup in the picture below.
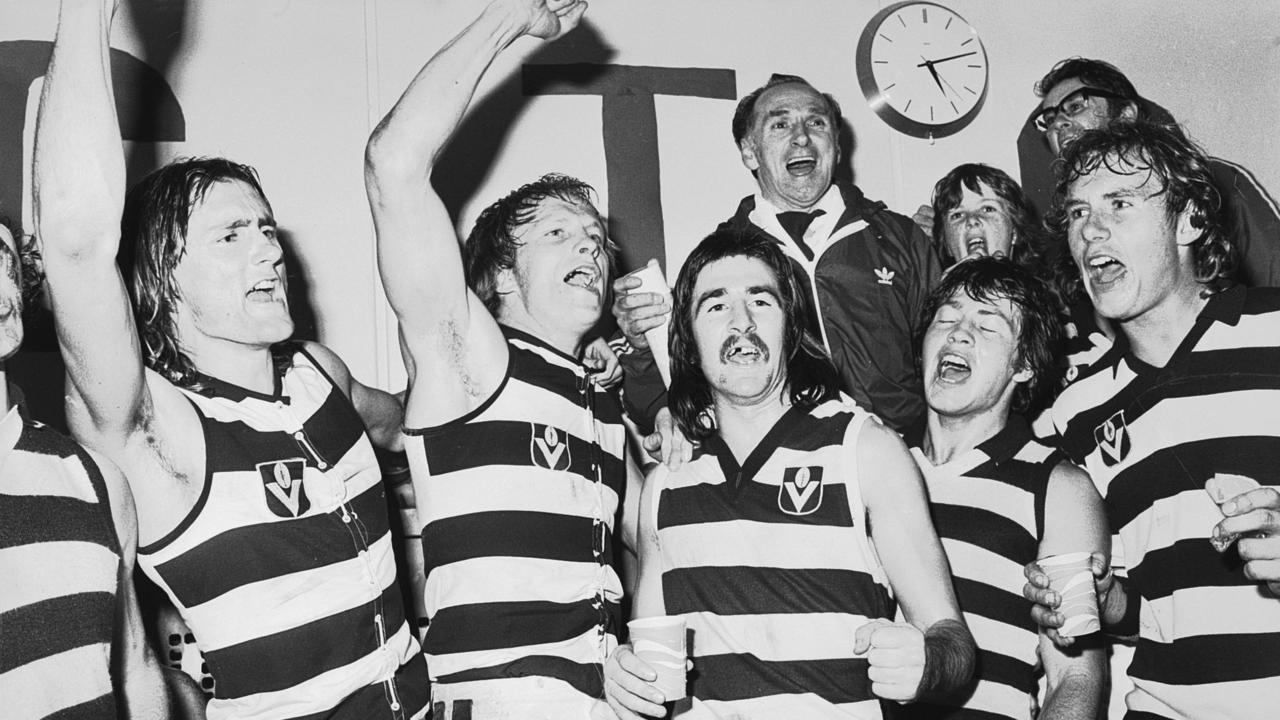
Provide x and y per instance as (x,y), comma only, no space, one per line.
(659,641)
(1071,576)
(652,280)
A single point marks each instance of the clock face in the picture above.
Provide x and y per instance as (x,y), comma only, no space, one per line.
(922,68)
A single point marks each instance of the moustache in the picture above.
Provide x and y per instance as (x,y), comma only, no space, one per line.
(750,338)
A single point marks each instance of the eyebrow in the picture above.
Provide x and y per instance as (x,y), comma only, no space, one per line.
(709,295)
(769,290)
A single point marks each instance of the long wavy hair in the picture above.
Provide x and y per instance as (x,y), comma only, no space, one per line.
(153,241)
(811,377)
(1186,182)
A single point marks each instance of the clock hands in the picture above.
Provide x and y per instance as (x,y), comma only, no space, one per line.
(936,79)
(931,63)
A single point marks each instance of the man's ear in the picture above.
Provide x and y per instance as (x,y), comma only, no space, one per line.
(1189,225)
(747,150)
(1129,112)
(505,281)
(1023,375)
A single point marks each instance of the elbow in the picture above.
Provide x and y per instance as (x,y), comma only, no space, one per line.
(389,164)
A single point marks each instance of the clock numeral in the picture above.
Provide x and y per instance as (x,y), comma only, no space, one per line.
(886,37)
(971,90)
(948,25)
(966,42)
(953,108)
(908,107)
(904,22)
(924,12)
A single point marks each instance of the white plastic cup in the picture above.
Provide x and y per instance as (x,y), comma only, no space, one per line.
(659,641)
(652,280)
(1071,576)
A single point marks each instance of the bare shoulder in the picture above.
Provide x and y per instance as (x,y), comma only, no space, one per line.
(331,364)
(1069,481)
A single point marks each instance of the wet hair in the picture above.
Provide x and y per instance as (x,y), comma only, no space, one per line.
(1095,74)
(1186,183)
(491,246)
(744,115)
(31,265)
(153,241)
(1029,236)
(811,376)
(991,279)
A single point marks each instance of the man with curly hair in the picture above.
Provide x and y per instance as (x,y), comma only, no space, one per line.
(261,508)
(1178,424)
(1081,94)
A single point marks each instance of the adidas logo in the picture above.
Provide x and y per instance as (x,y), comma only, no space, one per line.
(884,276)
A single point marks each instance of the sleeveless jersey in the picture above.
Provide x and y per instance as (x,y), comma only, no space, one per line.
(773,568)
(284,569)
(518,501)
(988,509)
(59,568)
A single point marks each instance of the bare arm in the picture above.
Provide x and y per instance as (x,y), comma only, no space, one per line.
(454,351)
(934,654)
(627,677)
(135,672)
(79,196)
(382,412)
(1075,677)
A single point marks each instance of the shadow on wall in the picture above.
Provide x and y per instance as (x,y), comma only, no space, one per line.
(470,156)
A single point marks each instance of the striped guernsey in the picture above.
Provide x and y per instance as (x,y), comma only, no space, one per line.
(518,501)
(283,570)
(988,508)
(59,568)
(1208,637)
(771,563)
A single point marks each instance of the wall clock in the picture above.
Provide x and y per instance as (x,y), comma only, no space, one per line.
(922,68)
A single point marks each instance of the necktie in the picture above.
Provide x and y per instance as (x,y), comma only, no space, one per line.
(796,222)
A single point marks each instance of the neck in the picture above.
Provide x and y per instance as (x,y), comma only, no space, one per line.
(948,437)
(568,342)
(1156,334)
(743,426)
(251,368)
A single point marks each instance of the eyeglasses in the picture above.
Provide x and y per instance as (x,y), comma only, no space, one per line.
(1072,105)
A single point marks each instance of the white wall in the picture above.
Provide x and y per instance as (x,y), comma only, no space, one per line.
(294,86)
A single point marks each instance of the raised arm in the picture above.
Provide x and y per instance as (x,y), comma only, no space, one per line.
(932,654)
(79,196)
(453,350)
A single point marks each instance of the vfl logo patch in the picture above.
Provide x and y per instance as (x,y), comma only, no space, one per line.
(1112,438)
(549,448)
(282,481)
(801,490)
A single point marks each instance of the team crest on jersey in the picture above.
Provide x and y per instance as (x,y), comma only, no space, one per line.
(549,447)
(282,482)
(1112,438)
(801,490)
